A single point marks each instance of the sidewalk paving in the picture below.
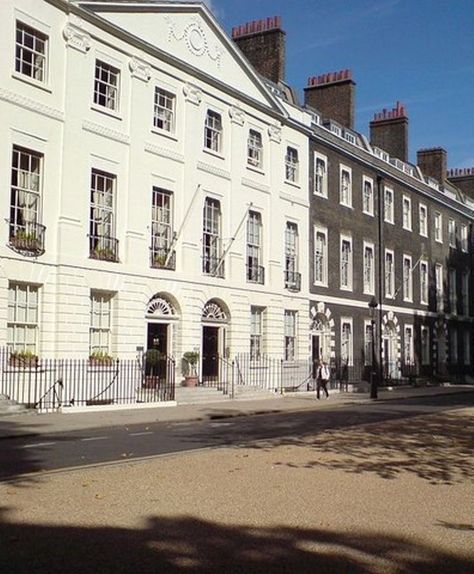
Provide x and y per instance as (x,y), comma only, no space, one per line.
(34,424)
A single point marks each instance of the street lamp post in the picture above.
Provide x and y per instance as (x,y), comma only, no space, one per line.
(373,369)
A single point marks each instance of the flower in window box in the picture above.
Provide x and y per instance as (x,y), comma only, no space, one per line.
(25,241)
(103,253)
(100,358)
(159,259)
(23,359)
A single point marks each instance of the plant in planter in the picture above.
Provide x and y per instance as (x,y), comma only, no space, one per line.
(190,361)
(155,368)
(103,253)
(100,358)
(159,259)
(25,241)
(23,359)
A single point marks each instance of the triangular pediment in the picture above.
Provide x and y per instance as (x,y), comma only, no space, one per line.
(190,34)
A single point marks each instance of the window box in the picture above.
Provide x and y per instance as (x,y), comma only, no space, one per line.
(100,359)
(159,259)
(30,241)
(23,360)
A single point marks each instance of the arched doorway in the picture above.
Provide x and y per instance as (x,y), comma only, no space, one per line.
(320,340)
(161,317)
(215,318)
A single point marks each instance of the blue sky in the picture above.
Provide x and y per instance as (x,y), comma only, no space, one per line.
(420,52)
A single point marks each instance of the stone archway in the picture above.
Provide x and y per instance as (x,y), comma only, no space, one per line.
(391,346)
(323,340)
(215,319)
(162,316)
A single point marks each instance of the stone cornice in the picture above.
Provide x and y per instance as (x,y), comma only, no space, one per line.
(105,132)
(255,185)
(213,170)
(164,152)
(31,105)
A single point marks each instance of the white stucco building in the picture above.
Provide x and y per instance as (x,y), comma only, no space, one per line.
(154,189)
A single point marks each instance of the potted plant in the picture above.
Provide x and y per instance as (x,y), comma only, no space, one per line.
(159,259)
(23,359)
(25,241)
(155,368)
(190,361)
(103,253)
(100,359)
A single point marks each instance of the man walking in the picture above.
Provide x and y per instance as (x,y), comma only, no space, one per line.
(322,379)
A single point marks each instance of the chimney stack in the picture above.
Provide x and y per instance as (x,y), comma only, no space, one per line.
(433,163)
(389,131)
(333,95)
(263,43)
(463,178)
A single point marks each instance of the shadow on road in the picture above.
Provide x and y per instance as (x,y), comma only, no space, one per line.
(189,545)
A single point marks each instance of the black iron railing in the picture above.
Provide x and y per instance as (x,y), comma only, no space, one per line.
(256,274)
(213,266)
(292,280)
(161,258)
(27,238)
(48,384)
(103,247)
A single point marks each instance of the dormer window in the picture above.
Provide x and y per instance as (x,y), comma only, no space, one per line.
(213,131)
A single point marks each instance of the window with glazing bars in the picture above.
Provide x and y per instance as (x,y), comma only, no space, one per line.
(388,205)
(161,221)
(211,236)
(22,325)
(25,191)
(407,279)
(423,282)
(368,197)
(291,164)
(102,224)
(389,274)
(100,323)
(213,131)
(30,52)
(256,323)
(346,188)
(254,241)
(255,149)
(291,248)
(346,343)
(368,269)
(320,258)
(320,176)
(290,335)
(368,343)
(346,263)
(106,86)
(163,110)
(406,213)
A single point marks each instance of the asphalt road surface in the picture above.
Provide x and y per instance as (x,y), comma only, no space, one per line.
(23,455)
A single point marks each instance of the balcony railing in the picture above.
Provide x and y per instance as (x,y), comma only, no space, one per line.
(213,266)
(292,280)
(159,258)
(256,274)
(27,238)
(103,247)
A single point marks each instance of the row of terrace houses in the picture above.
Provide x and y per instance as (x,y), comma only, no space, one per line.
(163,187)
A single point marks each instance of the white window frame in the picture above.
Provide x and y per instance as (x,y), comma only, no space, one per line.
(31,56)
(161,222)
(290,321)
(256,332)
(164,110)
(368,207)
(323,282)
(23,317)
(425,345)
(424,284)
(368,273)
(320,187)
(438,225)
(291,252)
(389,280)
(439,286)
(423,219)
(213,131)
(345,191)
(254,246)
(255,149)
(452,233)
(346,239)
(406,213)
(388,206)
(292,163)
(408,345)
(347,344)
(464,238)
(367,342)
(212,237)
(101,303)
(453,300)
(407,278)
(106,91)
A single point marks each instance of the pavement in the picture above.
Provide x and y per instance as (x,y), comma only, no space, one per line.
(34,424)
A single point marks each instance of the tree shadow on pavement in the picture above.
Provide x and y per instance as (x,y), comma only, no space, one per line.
(436,447)
(190,545)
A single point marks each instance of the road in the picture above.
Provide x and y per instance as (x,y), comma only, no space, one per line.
(19,456)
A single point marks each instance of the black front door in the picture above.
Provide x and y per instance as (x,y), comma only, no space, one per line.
(210,342)
(315,354)
(157,347)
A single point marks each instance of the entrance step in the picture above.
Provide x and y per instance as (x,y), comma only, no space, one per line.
(9,407)
(196,395)
(253,393)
